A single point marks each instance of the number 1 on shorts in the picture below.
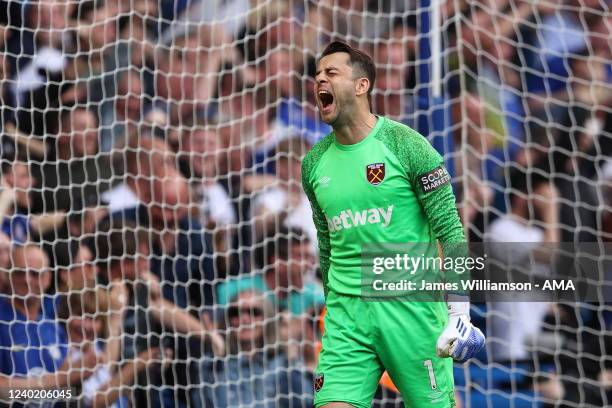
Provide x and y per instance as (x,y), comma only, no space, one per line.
(432,376)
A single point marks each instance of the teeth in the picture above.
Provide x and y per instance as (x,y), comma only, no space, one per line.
(324,93)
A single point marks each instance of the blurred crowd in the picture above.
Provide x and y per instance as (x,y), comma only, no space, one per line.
(156,247)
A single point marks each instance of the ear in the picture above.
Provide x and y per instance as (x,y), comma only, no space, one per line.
(362,86)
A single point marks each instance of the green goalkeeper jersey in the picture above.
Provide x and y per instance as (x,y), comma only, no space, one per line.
(391,187)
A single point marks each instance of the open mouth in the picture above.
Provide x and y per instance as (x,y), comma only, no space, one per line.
(326,98)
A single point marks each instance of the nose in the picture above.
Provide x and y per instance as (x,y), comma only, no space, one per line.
(321,79)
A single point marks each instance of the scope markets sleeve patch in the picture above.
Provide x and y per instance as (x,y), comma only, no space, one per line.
(434,179)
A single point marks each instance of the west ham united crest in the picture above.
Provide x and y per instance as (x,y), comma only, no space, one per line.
(375,173)
(318,382)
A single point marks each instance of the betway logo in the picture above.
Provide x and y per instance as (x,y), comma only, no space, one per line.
(351,218)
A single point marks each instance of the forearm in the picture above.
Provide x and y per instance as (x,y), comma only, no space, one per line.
(551,223)
(177,319)
(34,147)
(441,212)
(46,381)
(46,222)
(113,346)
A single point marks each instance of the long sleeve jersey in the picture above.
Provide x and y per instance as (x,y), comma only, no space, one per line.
(391,187)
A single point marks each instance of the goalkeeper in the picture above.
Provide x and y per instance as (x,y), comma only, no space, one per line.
(370,181)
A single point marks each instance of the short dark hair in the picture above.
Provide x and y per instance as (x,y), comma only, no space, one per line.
(63,252)
(117,240)
(278,245)
(357,59)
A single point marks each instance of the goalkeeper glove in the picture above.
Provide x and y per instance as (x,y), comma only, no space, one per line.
(461,340)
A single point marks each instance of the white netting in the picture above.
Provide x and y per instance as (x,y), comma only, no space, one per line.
(153,148)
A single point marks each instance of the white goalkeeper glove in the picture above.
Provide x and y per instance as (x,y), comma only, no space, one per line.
(460,340)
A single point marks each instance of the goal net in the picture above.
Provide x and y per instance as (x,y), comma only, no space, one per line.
(157,248)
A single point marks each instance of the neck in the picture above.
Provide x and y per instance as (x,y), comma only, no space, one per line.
(29,306)
(356,129)
(519,214)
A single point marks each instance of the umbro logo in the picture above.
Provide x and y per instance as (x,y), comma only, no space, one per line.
(324,181)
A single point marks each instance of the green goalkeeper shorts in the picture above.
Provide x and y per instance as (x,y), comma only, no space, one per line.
(362,339)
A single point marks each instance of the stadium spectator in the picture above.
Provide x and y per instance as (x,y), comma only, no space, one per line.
(235,83)
(83,220)
(353,20)
(92,49)
(16,200)
(95,31)
(6,97)
(475,138)
(579,145)
(124,251)
(32,346)
(256,371)
(515,323)
(280,70)
(526,239)
(582,332)
(560,33)
(187,71)
(136,47)
(249,135)
(97,324)
(311,329)
(599,34)
(493,76)
(9,18)
(284,201)
(121,115)
(392,96)
(40,69)
(286,277)
(232,13)
(74,266)
(200,160)
(182,250)
(151,319)
(79,171)
(257,34)
(146,158)
(239,176)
